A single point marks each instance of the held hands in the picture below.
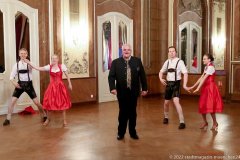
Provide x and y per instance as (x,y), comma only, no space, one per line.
(187,89)
(196,90)
(191,88)
(114,92)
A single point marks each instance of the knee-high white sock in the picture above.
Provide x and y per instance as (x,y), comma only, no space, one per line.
(180,113)
(165,114)
(9,116)
(181,118)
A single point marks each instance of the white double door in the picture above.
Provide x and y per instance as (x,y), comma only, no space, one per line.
(114,29)
(190,45)
(10,9)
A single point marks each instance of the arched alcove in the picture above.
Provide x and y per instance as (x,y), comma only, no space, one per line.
(195,11)
(20,29)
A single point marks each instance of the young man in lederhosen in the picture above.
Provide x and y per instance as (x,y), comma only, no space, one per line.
(24,73)
(174,67)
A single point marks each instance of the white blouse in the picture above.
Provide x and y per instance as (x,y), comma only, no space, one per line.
(63,67)
(209,70)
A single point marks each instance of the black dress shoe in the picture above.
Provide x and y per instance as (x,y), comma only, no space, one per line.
(44,118)
(134,136)
(182,126)
(119,137)
(165,121)
(6,122)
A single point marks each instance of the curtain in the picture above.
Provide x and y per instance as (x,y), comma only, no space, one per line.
(107,46)
(122,34)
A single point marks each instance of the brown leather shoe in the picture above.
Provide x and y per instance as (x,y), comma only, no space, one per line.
(165,121)
(182,126)
(134,137)
(6,122)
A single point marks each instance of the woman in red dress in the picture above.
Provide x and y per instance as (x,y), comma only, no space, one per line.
(210,99)
(56,97)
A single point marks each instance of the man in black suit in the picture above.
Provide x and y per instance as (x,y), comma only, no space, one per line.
(128,72)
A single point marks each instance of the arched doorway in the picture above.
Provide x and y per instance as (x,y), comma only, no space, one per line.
(18,33)
(114,29)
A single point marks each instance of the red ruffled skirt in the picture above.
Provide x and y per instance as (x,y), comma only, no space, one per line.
(56,97)
(210,98)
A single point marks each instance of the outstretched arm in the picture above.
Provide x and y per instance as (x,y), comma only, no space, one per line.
(184,71)
(198,81)
(185,80)
(33,66)
(202,80)
(69,81)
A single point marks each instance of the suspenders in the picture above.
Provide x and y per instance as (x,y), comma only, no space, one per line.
(175,71)
(23,71)
(172,69)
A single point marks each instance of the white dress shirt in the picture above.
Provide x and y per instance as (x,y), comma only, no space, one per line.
(181,68)
(22,76)
(63,67)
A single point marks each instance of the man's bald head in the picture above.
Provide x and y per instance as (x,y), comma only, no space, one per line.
(126,50)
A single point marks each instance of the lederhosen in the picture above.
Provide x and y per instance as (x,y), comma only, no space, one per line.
(173,87)
(26,86)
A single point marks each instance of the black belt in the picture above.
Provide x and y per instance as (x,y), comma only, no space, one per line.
(23,71)
(171,70)
(173,82)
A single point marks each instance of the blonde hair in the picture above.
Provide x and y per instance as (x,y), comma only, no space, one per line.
(54,55)
(23,49)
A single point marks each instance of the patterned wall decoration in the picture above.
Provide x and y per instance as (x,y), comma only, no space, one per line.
(130,3)
(75,38)
(190,5)
(219,33)
(78,66)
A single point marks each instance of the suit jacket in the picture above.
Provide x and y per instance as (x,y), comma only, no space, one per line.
(117,77)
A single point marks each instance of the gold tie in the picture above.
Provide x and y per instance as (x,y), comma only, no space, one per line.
(128,75)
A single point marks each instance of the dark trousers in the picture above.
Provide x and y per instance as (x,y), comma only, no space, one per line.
(127,113)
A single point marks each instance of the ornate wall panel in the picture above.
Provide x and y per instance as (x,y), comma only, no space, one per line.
(219,33)
(75,37)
